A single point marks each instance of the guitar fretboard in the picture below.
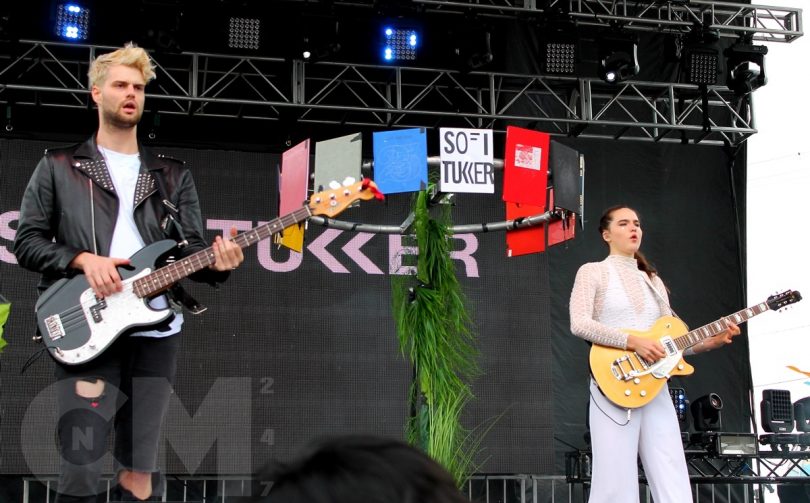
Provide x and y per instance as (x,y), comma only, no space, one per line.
(166,276)
(689,339)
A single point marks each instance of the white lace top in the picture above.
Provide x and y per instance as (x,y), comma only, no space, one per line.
(614,294)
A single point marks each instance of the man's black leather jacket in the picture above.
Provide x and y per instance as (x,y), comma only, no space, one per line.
(70,206)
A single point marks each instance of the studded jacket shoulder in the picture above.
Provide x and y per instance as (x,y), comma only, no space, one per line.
(70,205)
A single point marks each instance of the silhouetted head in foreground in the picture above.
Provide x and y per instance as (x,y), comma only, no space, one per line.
(359,469)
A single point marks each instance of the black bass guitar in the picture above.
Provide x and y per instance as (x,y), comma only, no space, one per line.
(77,326)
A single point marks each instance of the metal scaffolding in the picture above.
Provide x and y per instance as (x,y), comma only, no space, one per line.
(50,74)
(763,467)
(53,74)
(763,22)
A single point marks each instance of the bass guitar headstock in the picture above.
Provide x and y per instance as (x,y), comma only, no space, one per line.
(333,201)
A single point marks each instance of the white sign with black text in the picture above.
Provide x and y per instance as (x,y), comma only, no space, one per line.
(466,160)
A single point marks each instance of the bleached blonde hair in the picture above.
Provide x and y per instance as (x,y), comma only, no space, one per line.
(129,55)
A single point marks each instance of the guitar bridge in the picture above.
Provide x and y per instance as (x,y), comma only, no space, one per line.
(625,368)
(53,325)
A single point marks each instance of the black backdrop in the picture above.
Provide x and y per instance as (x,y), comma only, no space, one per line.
(284,356)
(692,202)
(281,357)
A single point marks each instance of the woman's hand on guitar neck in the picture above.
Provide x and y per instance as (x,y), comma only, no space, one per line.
(649,349)
(719,340)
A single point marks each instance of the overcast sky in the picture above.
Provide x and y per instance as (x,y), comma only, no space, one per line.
(779,217)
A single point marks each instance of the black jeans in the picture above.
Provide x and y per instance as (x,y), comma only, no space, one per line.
(127,387)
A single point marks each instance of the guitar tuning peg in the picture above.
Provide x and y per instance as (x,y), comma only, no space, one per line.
(349,180)
(334,185)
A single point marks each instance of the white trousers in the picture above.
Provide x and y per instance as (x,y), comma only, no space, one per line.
(651,433)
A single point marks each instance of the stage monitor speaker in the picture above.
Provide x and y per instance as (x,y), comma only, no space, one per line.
(776,411)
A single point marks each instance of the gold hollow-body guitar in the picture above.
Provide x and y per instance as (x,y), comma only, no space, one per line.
(629,381)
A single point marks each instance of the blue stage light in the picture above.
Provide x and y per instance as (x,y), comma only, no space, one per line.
(399,44)
(72,22)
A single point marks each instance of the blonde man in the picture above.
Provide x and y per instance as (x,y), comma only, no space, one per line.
(86,209)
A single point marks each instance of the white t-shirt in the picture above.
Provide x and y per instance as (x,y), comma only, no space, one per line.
(126,239)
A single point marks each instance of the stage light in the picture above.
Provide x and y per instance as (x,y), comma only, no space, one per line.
(558,48)
(472,47)
(706,413)
(162,24)
(679,401)
(72,21)
(776,411)
(560,58)
(618,58)
(736,444)
(701,56)
(801,412)
(399,44)
(313,53)
(729,445)
(745,67)
(780,441)
(702,66)
(244,33)
(319,40)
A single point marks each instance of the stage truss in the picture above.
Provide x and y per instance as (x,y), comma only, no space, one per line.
(765,467)
(763,22)
(53,74)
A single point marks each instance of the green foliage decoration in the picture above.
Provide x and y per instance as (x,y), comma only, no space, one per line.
(435,333)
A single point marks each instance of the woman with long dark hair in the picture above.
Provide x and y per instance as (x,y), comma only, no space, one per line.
(619,294)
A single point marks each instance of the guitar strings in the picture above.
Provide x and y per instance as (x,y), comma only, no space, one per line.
(75,316)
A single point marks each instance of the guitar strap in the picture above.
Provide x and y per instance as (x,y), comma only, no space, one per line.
(688,351)
(660,296)
(172,228)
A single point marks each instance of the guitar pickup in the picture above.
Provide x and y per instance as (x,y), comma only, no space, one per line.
(53,325)
(95,310)
(669,345)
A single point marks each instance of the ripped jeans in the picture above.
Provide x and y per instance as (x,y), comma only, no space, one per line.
(128,388)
